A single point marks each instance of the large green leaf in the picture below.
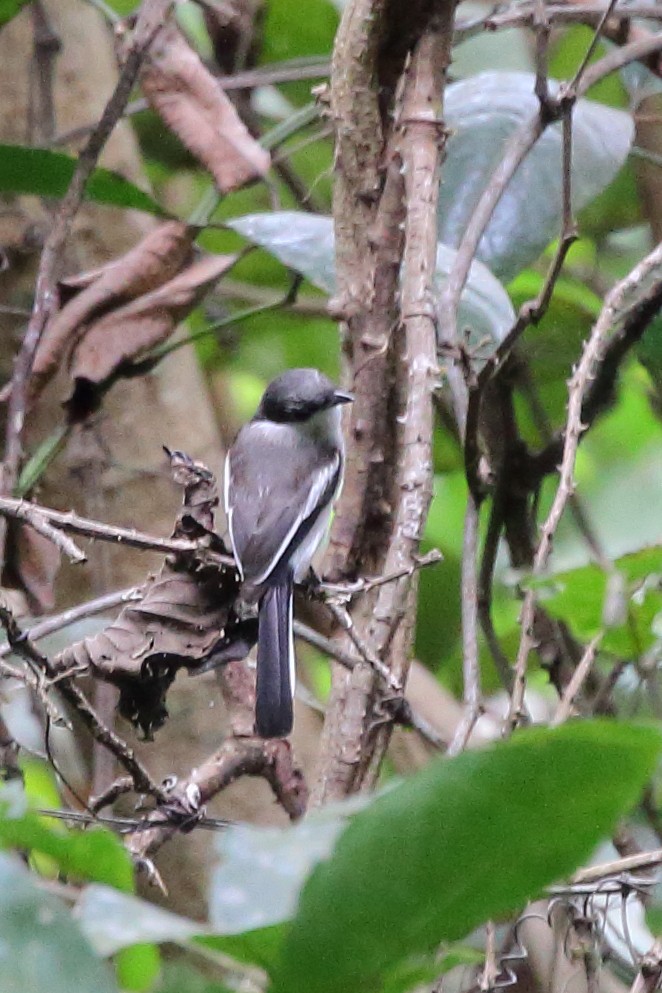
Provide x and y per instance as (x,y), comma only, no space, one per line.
(95,854)
(47,174)
(481,113)
(115,922)
(305,242)
(463,841)
(41,948)
(112,921)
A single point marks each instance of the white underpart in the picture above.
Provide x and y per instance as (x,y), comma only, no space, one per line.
(228,513)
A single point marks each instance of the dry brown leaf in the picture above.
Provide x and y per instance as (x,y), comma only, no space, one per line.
(184,93)
(152,262)
(128,333)
(185,616)
(34,562)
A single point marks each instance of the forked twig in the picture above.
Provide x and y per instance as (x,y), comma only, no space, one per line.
(22,645)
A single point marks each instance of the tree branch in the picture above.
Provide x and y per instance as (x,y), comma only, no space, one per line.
(612,317)
(51,522)
(22,645)
(272,760)
(384,619)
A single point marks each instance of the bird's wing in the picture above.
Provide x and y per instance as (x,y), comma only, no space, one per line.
(272,498)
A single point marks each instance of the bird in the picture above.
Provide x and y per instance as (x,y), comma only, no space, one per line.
(282,475)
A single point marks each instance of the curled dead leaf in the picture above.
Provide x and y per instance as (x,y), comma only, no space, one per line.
(108,346)
(152,262)
(184,619)
(182,91)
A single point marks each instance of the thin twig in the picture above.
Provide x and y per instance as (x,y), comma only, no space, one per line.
(605,329)
(367,583)
(464,731)
(577,680)
(87,528)
(601,390)
(42,526)
(150,19)
(631,863)
(407,716)
(523,15)
(469,605)
(24,647)
(595,41)
(343,618)
(74,614)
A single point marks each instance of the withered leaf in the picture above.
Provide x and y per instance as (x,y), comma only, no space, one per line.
(185,615)
(127,333)
(33,563)
(182,91)
(152,262)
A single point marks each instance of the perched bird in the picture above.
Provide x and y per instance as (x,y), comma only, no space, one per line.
(282,475)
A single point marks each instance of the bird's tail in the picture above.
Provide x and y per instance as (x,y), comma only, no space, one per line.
(275,662)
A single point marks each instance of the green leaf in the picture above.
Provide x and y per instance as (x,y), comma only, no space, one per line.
(242,899)
(426,968)
(138,967)
(463,841)
(624,604)
(114,922)
(305,242)
(93,854)
(41,948)
(481,113)
(43,173)
(262,947)
(9,9)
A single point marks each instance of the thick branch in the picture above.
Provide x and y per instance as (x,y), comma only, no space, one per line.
(236,757)
(385,618)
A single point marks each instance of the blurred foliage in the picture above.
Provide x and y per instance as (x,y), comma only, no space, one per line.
(444,827)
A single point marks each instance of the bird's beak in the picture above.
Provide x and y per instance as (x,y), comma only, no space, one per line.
(341,397)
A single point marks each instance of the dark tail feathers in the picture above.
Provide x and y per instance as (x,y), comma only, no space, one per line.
(275,656)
